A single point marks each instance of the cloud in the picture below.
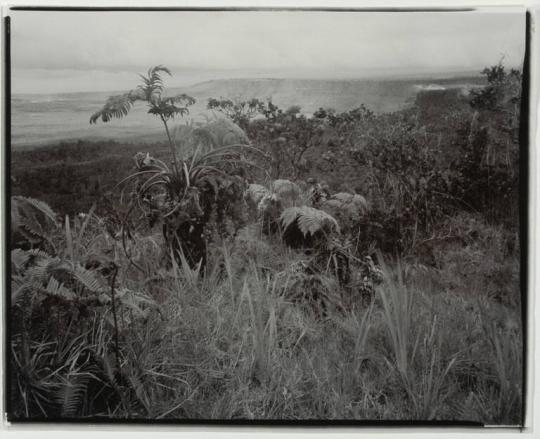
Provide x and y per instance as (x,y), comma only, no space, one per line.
(330,43)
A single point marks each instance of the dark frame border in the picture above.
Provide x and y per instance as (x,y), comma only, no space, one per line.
(524,199)
(524,174)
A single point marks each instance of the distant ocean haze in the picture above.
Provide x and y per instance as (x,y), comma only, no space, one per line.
(41,119)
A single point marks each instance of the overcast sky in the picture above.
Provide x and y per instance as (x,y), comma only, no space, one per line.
(102,51)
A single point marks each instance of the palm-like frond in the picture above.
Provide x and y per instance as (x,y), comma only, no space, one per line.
(118,106)
(309,220)
(153,83)
(150,91)
(169,107)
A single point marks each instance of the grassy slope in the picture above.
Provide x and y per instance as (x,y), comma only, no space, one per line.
(439,343)
(232,344)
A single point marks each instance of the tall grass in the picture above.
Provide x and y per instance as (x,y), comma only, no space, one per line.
(227,342)
(416,352)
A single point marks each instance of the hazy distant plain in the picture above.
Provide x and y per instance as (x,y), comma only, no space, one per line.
(42,119)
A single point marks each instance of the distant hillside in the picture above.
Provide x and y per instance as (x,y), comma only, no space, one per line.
(342,95)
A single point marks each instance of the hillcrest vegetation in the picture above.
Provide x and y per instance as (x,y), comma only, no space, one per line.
(273,265)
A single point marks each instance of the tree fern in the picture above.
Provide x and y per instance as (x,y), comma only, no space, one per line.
(309,220)
(352,203)
(287,191)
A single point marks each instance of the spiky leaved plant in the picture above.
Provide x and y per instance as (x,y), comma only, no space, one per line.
(151,92)
(61,300)
(205,192)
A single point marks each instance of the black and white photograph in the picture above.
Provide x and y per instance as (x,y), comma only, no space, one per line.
(256,215)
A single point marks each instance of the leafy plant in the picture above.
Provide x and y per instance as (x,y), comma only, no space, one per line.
(240,112)
(64,319)
(151,92)
(286,137)
(487,166)
(347,208)
(208,172)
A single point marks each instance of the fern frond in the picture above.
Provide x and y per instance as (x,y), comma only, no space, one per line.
(19,202)
(19,288)
(55,288)
(88,279)
(70,394)
(33,219)
(19,258)
(43,268)
(31,228)
(135,301)
(309,220)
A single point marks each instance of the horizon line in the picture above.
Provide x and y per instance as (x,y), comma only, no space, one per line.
(382,78)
